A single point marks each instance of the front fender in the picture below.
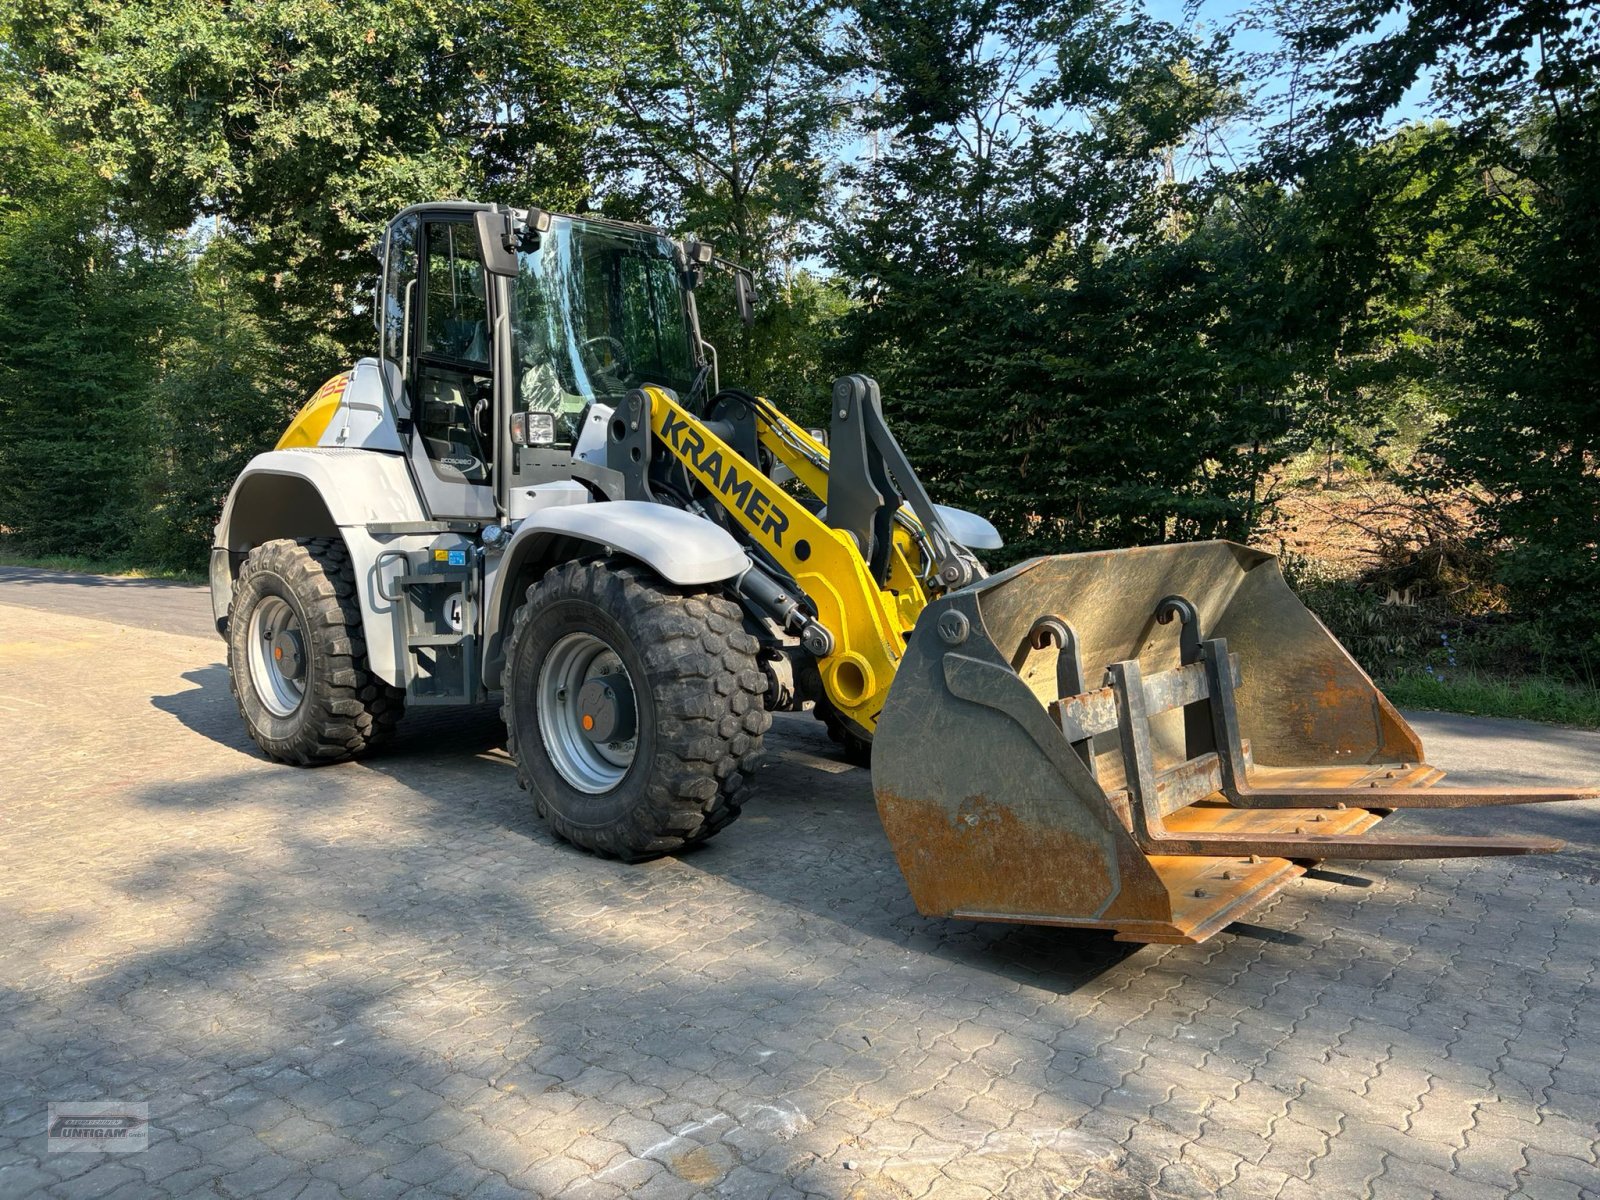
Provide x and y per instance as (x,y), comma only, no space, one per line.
(968,528)
(308,491)
(678,546)
(682,548)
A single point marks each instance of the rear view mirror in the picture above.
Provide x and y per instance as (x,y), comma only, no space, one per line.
(744,296)
(498,240)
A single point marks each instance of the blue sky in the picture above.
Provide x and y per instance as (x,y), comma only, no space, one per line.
(1209,15)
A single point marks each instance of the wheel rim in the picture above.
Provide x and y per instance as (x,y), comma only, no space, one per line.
(277,656)
(589,766)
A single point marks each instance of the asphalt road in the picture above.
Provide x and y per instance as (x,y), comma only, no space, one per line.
(137,603)
(385,978)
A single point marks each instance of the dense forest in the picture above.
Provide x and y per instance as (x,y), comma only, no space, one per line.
(1125,271)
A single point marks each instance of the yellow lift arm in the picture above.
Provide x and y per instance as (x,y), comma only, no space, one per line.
(868,624)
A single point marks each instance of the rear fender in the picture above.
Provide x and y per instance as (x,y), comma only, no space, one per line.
(680,547)
(322,492)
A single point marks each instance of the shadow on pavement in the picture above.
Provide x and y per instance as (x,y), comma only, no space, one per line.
(391,974)
(208,708)
(809,836)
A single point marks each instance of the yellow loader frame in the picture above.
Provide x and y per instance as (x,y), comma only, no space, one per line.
(869,624)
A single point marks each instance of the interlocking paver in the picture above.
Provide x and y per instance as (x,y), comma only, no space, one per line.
(386,979)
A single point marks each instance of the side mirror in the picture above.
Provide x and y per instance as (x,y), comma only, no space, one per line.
(498,240)
(744,297)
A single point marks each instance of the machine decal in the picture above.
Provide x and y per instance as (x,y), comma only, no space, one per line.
(314,417)
(742,490)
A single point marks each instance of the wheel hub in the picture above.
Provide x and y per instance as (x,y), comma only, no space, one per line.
(588,713)
(288,653)
(277,656)
(606,709)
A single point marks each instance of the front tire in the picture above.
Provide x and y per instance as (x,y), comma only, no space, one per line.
(297,659)
(633,708)
(857,750)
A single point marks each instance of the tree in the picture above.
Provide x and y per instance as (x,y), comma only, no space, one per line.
(1066,327)
(1522,372)
(83,317)
(302,126)
(288,132)
(724,122)
(220,399)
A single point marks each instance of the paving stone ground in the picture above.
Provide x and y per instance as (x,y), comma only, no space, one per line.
(386,979)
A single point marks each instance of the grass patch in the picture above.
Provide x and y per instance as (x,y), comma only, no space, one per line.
(78,565)
(1488,696)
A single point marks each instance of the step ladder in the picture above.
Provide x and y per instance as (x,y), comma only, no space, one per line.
(436,611)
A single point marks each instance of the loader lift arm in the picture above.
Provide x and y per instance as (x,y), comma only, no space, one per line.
(854,627)
(864,566)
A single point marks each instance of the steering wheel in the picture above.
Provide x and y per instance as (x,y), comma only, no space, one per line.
(620,366)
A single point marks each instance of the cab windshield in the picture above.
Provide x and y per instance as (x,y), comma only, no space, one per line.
(596,311)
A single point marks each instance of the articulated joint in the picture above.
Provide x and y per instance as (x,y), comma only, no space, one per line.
(787,610)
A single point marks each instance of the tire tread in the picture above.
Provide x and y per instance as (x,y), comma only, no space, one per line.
(708,690)
(352,709)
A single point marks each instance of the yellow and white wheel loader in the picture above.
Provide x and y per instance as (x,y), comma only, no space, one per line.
(539,490)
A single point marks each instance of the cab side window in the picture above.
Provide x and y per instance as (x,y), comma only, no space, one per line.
(458,311)
(399,289)
(453,387)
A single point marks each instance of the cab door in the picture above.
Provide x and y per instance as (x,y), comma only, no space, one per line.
(436,281)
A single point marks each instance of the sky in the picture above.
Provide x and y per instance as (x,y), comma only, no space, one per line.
(1212,15)
(1238,140)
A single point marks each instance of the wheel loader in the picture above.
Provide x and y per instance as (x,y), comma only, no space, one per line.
(539,491)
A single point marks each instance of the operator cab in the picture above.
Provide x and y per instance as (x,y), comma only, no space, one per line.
(597,311)
(486,313)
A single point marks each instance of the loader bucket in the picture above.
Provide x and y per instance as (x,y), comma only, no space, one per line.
(1152,741)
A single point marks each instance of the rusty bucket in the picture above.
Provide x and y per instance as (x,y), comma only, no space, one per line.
(1152,741)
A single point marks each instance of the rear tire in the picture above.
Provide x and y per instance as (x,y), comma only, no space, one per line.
(692,684)
(296,656)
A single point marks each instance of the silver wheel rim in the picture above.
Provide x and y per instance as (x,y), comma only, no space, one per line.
(274,634)
(591,767)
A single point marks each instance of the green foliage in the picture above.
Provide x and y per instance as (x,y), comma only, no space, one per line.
(126,567)
(1507,217)
(1072,341)
(724,122)
(1491,696)
(219,402)
(1091,320)
(303,125)
(82,322)
(1428,654)
(724,116)
(1526,382)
